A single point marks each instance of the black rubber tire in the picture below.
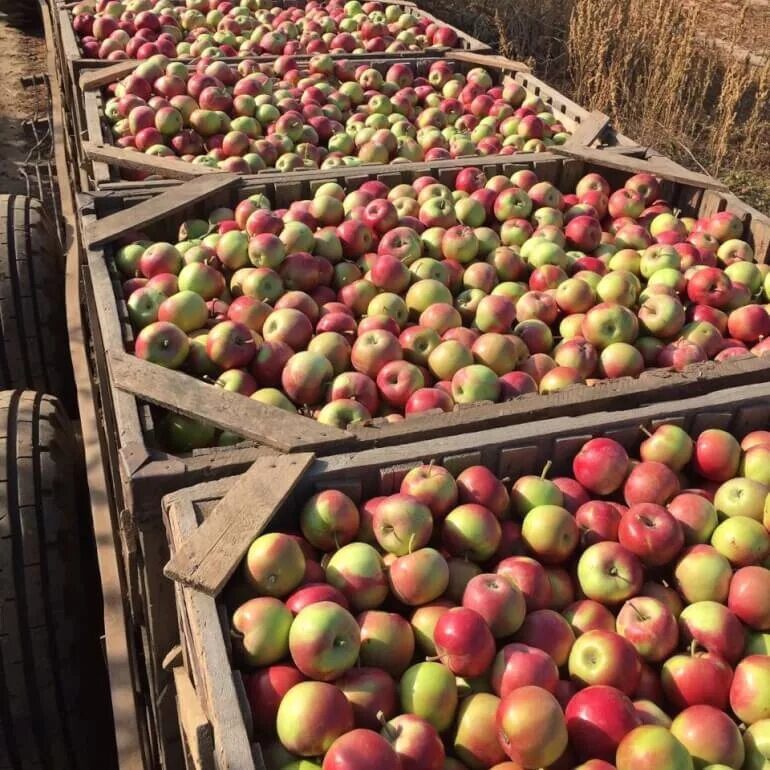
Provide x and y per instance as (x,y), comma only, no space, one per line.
(49,650)
(34,349)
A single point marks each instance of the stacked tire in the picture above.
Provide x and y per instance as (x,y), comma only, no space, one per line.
(51,668)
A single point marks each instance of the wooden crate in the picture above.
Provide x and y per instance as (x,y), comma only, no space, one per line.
(509,452)
(103,159)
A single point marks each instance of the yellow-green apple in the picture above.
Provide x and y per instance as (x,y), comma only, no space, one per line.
(742,540)
(749,597)
(594,182)
(535,334)
(518,665)
(387,641)
(609,322)
(559,378)
(416,742)
(650,532)
(755,463)
(475,738)
(310,593)
(598,520)
(601,465)
(472,531)
(329,519)
(741,497)
(370,691)
(619,287)
(698,677)
(265,689)
(373,350)
(609,573)
(696,516)
(324,641)
(714,627)
(529,492)
(551,533)
(402,524)
(429,690)
(650,482)
(703,574)
(479,485)
(143,304)
(496,351)
(661,315)
(419,577)
(449,357)
(262,630)
(418,342)
(548,631)
(710,736)
(531,727)
(361,749)
(498,601)
(275,564)
(342,412)
(495,313)
(357,571)
(433,486)
(162,343)
(756,741)
(757,643)
(598,718)
(512,203)
(311,716)
(464,642)
(651,747)
(604,658)
(530,577)
(586,615)
(750,689)
(424,620)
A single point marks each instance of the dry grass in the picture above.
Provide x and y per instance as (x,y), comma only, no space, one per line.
(656,67)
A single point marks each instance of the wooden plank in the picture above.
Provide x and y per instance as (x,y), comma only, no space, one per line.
(186,395)
(151,210)
(210,556)
(491,60)
(95,136)
(173,168)
(196,729)
(589,130)
(635,165)
(90,80)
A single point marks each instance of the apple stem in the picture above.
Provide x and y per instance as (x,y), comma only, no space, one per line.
(645,431)
(693,647)
(336,541)
(639,615)
(389,730)
(547,468)
(411,542)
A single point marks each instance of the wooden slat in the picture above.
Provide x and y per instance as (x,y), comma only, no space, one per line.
(211,555)
(172,168)
(482,60)
(182,394)
(589,130)
(151,210)
(90,80)
(634,165)
(196,729)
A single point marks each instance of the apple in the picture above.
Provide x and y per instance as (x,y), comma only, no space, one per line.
(749,597)
(713,626)
(650,532)
(740,497)
(311,716)
(471,530)
(587,614)
(275,564)
(530,578)
(710,736)
(429,690)
(498,601)
(551,533)
(696,516)
(750,688)
(357,571)
(651,747)
(518,665)
(531,727)
(650,482)
(699,677)
(464,642)
(609,573)
(387,641)
(324,641)
(265,689)
(475,739)
(549,631)
(604,658)
(477,484)
(262,626)
(650,627)
(743,541)
(419,577)
(371,692)
(601,465)
(416,742)
(310,593)
(598,718)
(360,749)
(329,519)
(402,524)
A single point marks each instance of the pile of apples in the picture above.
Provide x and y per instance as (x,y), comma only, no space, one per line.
(323,113)
(615,618)
(139,29)
(394,301)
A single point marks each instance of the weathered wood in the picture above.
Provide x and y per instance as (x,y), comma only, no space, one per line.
(171,168)
(90,80)
(196,729)
(207,560)
(151,210)
(589,130)
(637,165)
(486,60)
(188,396)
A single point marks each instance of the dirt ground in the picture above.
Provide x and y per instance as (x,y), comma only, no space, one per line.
(22,49)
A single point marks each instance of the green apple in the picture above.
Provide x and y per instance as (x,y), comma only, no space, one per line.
(429,690)
(741,497)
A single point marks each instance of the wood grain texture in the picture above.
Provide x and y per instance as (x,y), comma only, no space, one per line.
(186,395)
(196,729)
(175,199)
(589,130)
(207,560)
